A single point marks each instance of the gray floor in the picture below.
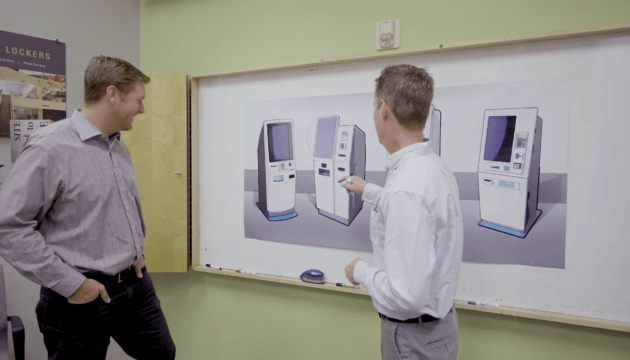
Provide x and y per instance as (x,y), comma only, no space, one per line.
(544,246)
(308,228)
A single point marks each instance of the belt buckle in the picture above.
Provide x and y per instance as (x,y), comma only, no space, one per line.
(122,278)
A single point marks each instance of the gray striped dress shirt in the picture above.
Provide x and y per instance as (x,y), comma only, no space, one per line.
(70,204)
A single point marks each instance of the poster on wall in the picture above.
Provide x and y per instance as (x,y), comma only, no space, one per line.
(32,90)
(506,143)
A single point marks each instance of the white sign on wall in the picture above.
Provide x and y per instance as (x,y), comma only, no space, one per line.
(20,131)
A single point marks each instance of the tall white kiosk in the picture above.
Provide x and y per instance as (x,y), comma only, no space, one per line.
(339,152)
(433,129)
(509,170)
(276,170)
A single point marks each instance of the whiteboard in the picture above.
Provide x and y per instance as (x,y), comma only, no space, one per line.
(593,282)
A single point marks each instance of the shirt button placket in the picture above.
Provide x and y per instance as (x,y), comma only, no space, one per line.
(121,185)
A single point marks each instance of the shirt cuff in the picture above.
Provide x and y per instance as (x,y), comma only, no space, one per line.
(358,274)
(371,193)
(68,285)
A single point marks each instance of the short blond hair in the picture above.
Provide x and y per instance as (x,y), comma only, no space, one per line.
(104,71)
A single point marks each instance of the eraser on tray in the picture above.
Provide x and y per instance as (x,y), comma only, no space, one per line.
(313,276)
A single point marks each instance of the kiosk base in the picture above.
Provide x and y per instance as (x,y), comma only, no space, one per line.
(336,217)
(511,231)
(290,214)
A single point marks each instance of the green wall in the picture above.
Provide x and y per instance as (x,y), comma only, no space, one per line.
(200,36)
(220,317)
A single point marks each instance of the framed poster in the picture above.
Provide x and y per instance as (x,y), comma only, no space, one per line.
(32,90)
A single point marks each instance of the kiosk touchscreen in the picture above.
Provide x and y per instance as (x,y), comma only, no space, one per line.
(276,170)
(509,170)
(339,152)
(433,129)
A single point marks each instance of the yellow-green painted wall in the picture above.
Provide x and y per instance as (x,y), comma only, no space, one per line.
(198,36)
(218,317)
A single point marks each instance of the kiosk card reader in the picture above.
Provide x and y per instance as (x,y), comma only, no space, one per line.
(509,170)
(339,152)
(433,129)
(276,170)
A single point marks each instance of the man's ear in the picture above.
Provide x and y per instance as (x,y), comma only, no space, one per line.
(111,93)
(385,110)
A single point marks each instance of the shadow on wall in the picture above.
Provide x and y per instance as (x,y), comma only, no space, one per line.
(552,188)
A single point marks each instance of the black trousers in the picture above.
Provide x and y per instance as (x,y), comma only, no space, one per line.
(133,318)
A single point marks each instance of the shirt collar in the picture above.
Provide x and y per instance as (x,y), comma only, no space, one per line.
(86,129)
(417,149)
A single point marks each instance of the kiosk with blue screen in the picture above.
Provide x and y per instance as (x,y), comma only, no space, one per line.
(339,152)
(276,170)
(509,170)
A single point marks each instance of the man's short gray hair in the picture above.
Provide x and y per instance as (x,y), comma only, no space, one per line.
(408,90)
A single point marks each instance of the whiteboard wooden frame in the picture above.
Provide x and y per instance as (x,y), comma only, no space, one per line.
(503,310)
(459,304)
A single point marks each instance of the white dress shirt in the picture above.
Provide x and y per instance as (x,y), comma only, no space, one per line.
(417,236)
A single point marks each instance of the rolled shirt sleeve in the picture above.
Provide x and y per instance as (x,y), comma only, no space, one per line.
(29,194)
(401,284)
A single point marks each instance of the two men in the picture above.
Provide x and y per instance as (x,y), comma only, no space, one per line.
(71,221)
(415,226)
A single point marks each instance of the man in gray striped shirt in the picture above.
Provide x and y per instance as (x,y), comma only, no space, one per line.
(71,221)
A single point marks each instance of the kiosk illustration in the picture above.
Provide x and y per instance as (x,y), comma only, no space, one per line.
(276,170)
(339,152)
(433,129)
(509,170)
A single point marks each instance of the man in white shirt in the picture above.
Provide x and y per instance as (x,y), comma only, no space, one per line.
(415,226)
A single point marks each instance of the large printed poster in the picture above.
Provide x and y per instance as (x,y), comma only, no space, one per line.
(506,143)
(32,90)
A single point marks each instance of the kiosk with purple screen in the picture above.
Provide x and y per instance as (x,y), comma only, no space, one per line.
(276,170)
(509,170)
